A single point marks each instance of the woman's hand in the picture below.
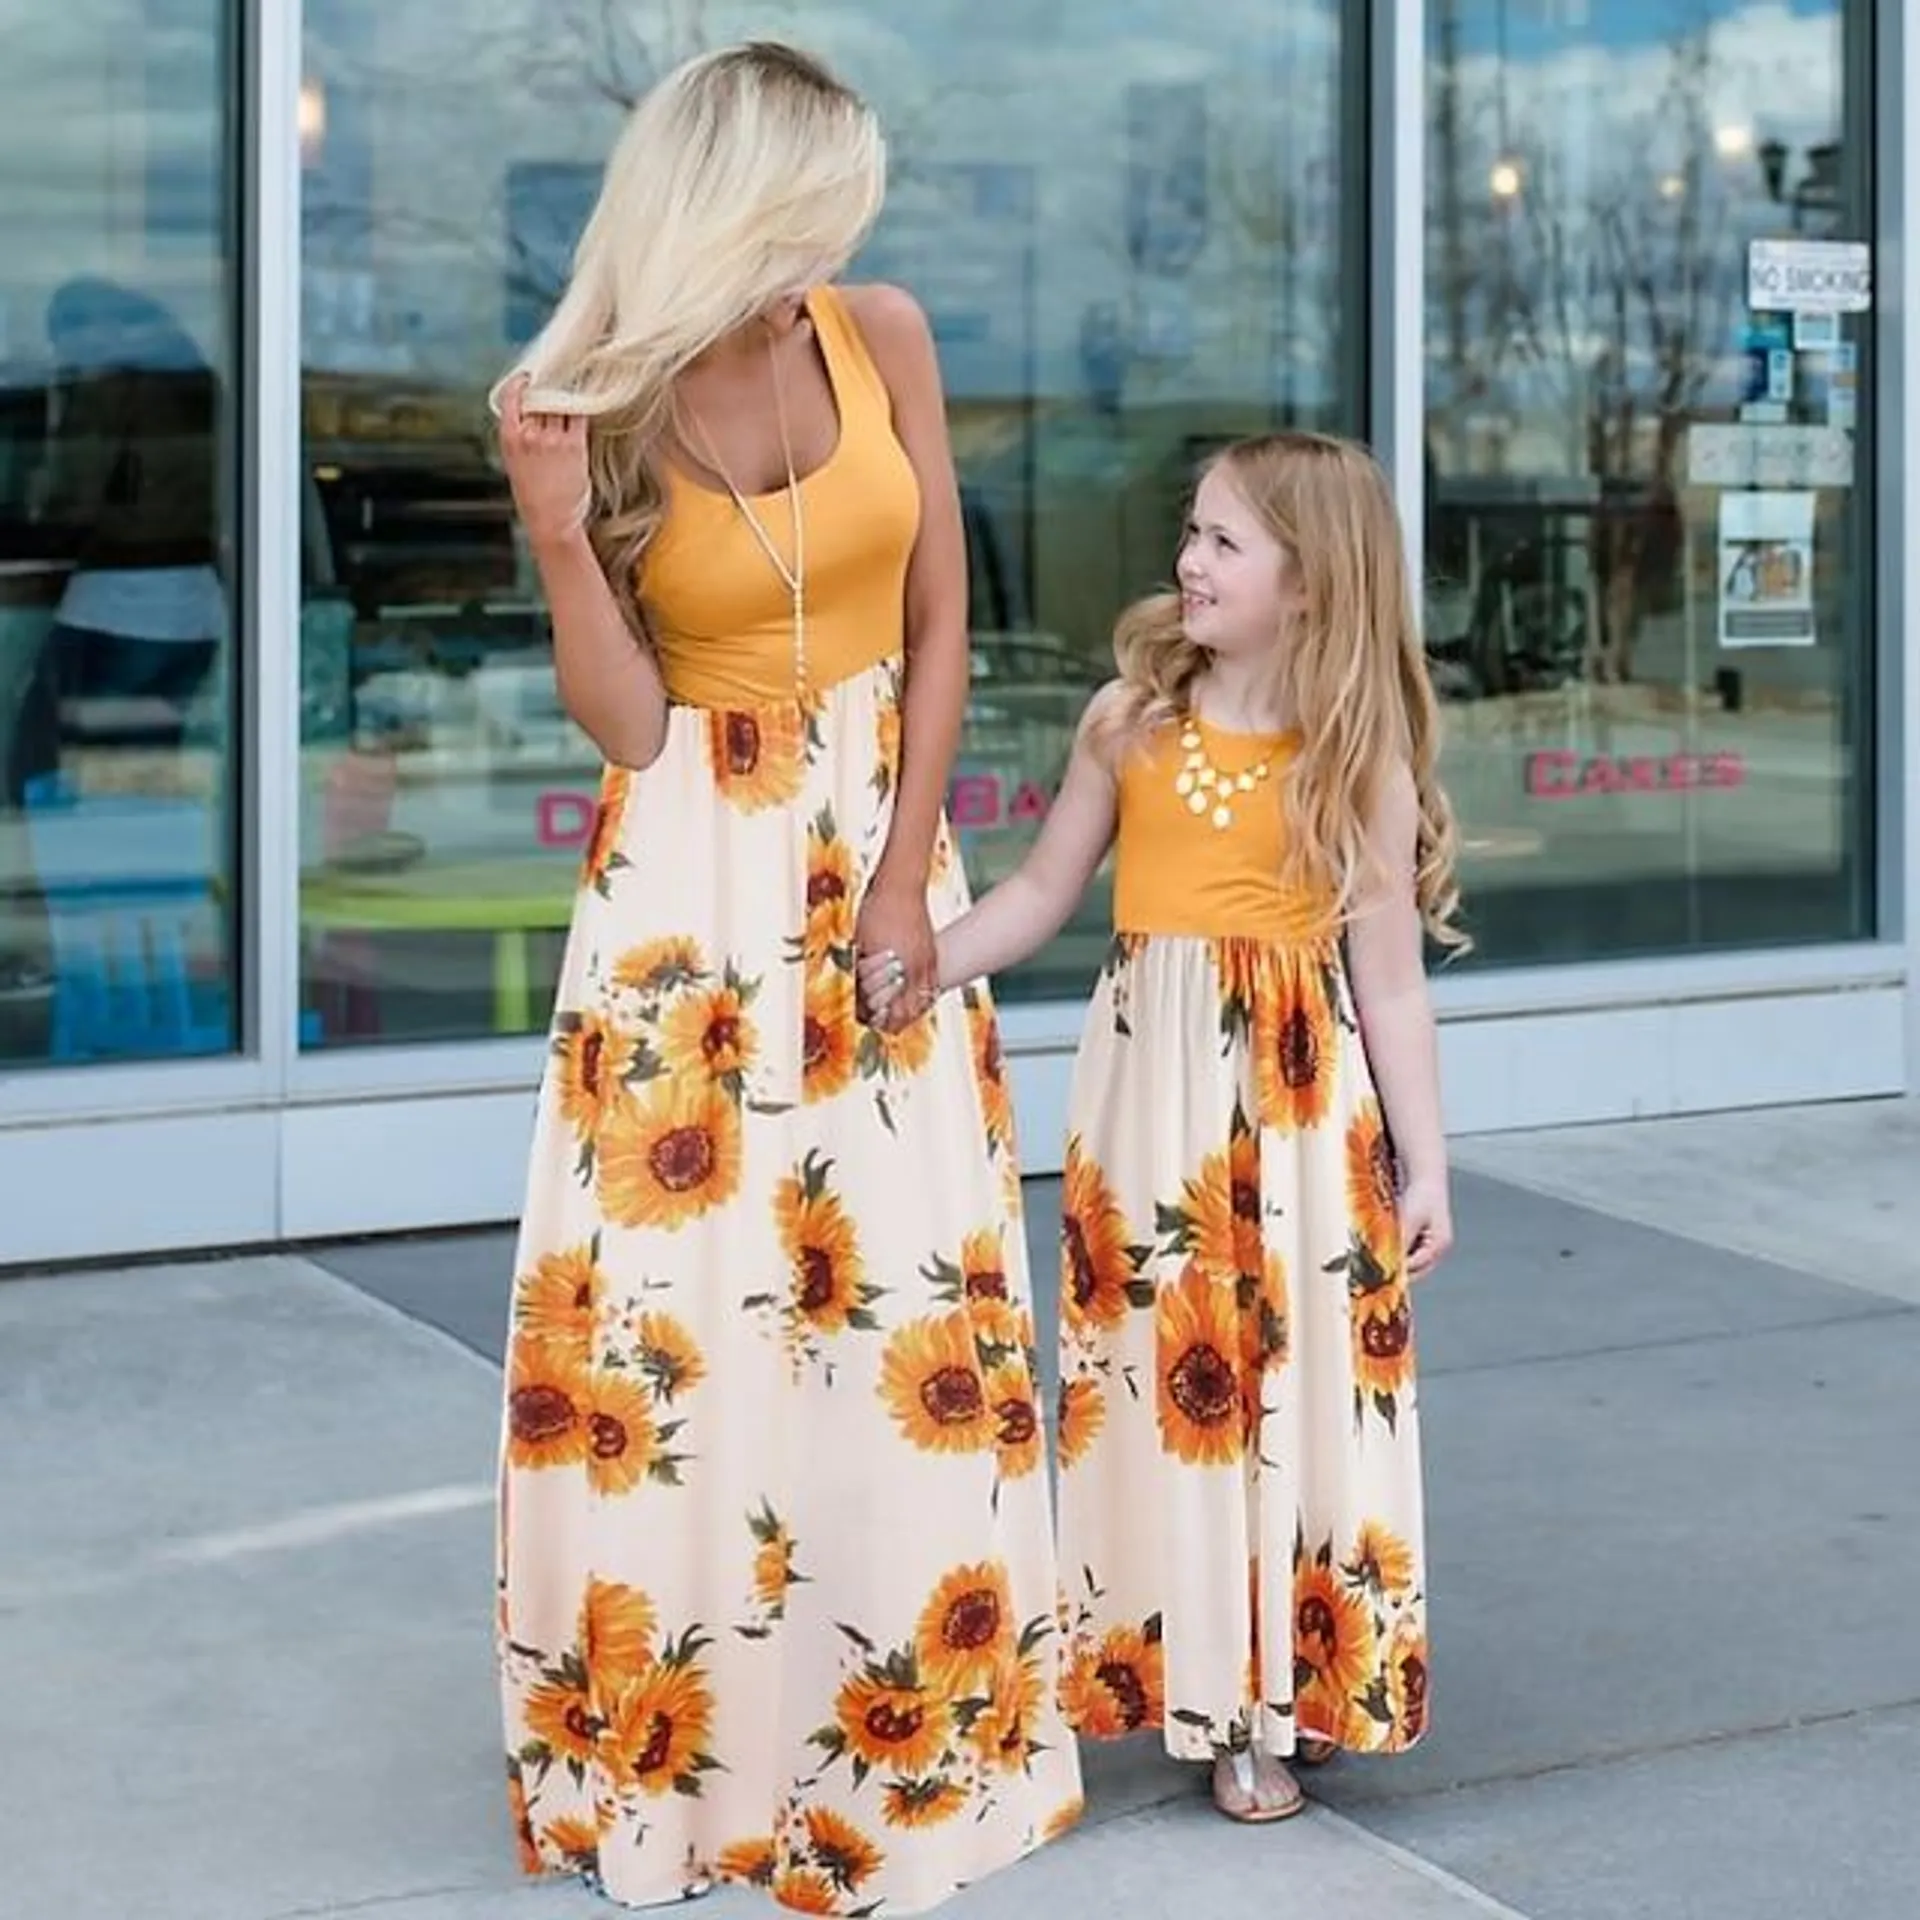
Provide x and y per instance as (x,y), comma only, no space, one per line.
(1426,1224)
(546,461)
(897,961)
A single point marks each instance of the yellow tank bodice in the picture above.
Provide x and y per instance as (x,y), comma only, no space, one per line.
(1175,872)
(722,618)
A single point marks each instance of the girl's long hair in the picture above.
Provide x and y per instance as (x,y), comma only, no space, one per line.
(1352,670)
(745,176)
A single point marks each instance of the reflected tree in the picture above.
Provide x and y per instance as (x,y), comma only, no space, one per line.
(1587,296)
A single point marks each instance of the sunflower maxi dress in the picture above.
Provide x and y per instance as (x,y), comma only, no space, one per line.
(1240,1495)
(777,1587)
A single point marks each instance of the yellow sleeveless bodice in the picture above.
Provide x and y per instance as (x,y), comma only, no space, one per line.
(1175,872)
(722,618)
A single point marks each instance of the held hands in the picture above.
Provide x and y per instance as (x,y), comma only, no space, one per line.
(546,462)
(898,963)
(1426,1224)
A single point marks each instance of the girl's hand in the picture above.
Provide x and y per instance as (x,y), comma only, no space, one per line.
(1426,1225)
(546,462)
(897,961)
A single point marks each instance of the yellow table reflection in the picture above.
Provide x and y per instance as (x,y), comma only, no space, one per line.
(511,899)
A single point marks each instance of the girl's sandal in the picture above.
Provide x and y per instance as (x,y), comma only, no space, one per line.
(1255,1789)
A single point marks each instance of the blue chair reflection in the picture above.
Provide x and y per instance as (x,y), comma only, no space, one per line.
(128,885)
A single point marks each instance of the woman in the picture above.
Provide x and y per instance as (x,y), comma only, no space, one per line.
(778,1593)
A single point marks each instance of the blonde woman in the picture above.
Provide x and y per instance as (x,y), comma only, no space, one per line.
(1255,1168)
(777,1590)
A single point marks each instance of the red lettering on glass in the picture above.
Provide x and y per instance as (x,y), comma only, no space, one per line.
(1030,802)
(1560,775)
(563,819)
(974,800)
(1550,775)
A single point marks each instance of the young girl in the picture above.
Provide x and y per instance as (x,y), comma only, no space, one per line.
(1241,1536)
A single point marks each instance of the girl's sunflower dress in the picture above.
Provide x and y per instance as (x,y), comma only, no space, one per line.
(1241,1539)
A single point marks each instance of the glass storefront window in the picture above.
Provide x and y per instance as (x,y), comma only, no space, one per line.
(1133,241)
(116,515)
(1648,498)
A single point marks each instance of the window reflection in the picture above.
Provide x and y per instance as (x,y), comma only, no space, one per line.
(1131,243)
(1639,768)
(116,901)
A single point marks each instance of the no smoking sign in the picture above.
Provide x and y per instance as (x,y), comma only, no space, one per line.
(1809,276)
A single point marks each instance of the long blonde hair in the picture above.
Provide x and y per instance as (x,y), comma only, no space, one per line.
(1351,671)
(746,176)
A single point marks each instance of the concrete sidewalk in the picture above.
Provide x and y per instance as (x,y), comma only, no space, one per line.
(245,1585)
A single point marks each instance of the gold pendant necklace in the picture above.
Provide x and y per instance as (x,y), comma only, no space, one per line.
(794,577)
(1206,788)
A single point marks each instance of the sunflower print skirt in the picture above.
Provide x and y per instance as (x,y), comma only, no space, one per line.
(777,1587)
(1240,1495)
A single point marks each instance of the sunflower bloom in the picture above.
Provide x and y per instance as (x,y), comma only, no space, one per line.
(660,966)
(749,1862)
(1222,1209)
(548,1397)
(1117,1686)
(670,1158)
(1407,1677)
(1335,1652)
(602,853)
(983,1265)
(710,1033)
(1083,1412)
(561,1719)
(830,890)
(829,1037)
(668,1355)
(656,1729)
(1381,1562)
(990,1070)
(801,1890)
(592,1060)
(921,1803)
(1097,1260)
(1383,1342)
(1373,1198)
(620,1433)
(965,1630)
(573,1840)
(1197,1375)
(840,1850)
(823,1255)
(1294,1045)
(931,1382)
(757,757)
(901,1055)
(1016,1418)
(617,1628)
(1003,1735)
(555,1300)
(902,1728)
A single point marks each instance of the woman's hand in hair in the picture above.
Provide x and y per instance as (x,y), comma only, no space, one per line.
(546,460)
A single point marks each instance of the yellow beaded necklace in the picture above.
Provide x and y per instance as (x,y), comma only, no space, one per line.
(1208,789)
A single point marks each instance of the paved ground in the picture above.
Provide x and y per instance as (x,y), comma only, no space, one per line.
(244,1671)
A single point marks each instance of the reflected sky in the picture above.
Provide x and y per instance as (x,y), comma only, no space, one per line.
(107,155)
(1534,30)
